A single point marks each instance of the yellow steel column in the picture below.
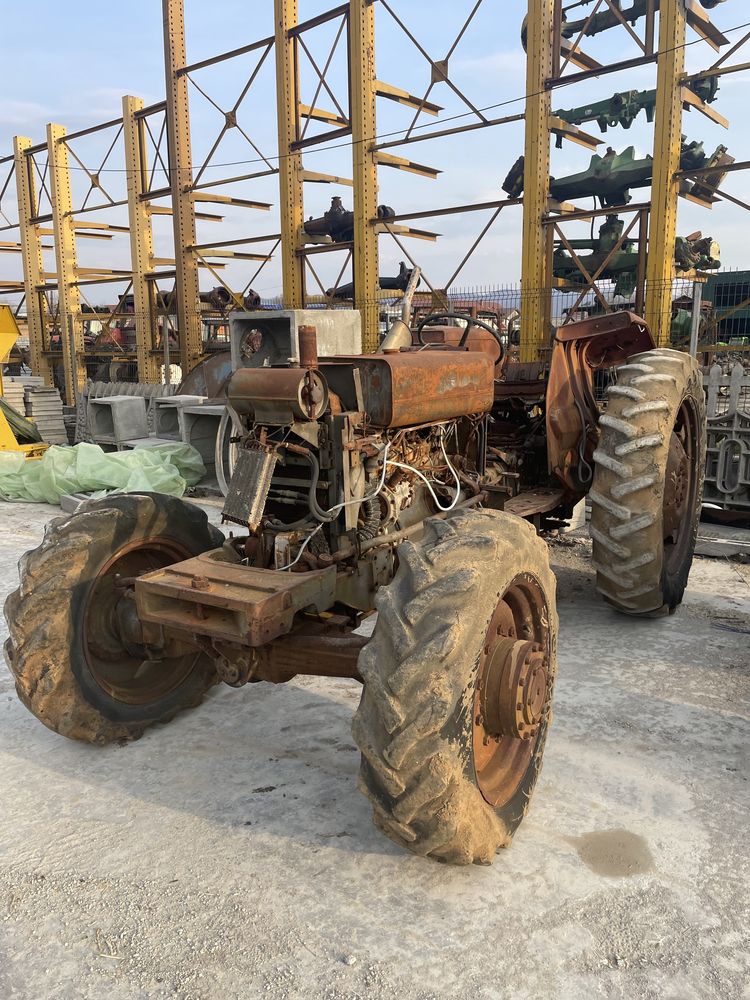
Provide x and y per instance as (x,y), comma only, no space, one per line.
(665,186)
(33,265)
(141,238)
(362,98)
(290,161)
(68,296)
(534,277)
(181,171)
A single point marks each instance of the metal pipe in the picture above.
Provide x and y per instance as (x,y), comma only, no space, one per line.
(308,347)
(696,318)
(399,334)
(312,655)
(409,291)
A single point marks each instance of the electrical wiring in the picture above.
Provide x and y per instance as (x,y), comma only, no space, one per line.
(426,481)
(340,506)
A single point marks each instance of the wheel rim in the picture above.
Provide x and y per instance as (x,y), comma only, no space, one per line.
(111,643)
(680,487)
(512,696)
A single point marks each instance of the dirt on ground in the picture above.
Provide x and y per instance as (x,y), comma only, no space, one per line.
(229,854)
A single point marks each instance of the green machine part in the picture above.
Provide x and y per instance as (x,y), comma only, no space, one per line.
(611,177)
(694,252)
(623,108)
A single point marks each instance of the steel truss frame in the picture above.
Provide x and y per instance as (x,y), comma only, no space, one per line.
(162,179)
(590,282)
(352,114)
(58,300)
(555,60)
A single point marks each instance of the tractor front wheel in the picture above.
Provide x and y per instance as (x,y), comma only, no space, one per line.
(458,681)
(74,647)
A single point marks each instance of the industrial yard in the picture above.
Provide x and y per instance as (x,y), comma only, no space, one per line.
(375,501)
(230,854)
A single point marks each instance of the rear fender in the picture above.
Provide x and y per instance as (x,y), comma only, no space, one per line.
(572,413)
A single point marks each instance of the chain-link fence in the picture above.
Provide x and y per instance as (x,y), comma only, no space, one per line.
(110,345)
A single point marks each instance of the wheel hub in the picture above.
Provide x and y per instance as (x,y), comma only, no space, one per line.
(676,486)
(121,660)
(514,689)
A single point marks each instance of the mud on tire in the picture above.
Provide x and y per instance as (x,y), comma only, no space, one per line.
(415,723)
(648,482)
(47,650)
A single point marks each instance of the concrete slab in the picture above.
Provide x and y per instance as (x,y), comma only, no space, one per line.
(722,542)
(166,414)
(199,427)
(339,331)
(229,855)
(70,502)
(113,419)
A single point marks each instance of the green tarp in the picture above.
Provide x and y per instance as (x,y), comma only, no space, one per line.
(166,468)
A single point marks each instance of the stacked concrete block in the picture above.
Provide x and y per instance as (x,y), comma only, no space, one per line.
(45,408)
(114,420)
(14,390)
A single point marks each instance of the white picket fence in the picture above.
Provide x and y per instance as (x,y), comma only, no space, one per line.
(728,438)
(727,393)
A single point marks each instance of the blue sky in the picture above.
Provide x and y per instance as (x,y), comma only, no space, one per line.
(81,58)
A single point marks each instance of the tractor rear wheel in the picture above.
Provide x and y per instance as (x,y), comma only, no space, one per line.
(458,681)
(648,482)
(74,646)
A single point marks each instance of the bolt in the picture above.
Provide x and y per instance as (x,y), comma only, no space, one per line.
(200,583)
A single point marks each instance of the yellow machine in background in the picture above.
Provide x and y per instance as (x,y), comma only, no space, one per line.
(9,334)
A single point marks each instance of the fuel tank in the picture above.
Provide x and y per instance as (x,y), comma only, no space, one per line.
(412,387)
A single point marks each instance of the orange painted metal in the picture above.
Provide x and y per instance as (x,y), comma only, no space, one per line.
(477,340)
(278,395)
(414,386)
(228,601)
(572,415)
(513,690)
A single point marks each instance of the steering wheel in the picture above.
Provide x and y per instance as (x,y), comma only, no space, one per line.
(470,321)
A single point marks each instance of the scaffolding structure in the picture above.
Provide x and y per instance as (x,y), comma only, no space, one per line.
(327,94)
(53,214)
(557,58)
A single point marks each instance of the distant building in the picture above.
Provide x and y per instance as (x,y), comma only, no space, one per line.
(729,292)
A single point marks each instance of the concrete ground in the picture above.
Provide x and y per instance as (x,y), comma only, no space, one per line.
(229,854)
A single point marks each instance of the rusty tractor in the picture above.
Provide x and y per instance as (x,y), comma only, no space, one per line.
(413,482)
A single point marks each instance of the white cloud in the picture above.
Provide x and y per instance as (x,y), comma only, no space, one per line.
(15,114)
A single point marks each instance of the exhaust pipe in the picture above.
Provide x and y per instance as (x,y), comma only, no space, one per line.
(399,334)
